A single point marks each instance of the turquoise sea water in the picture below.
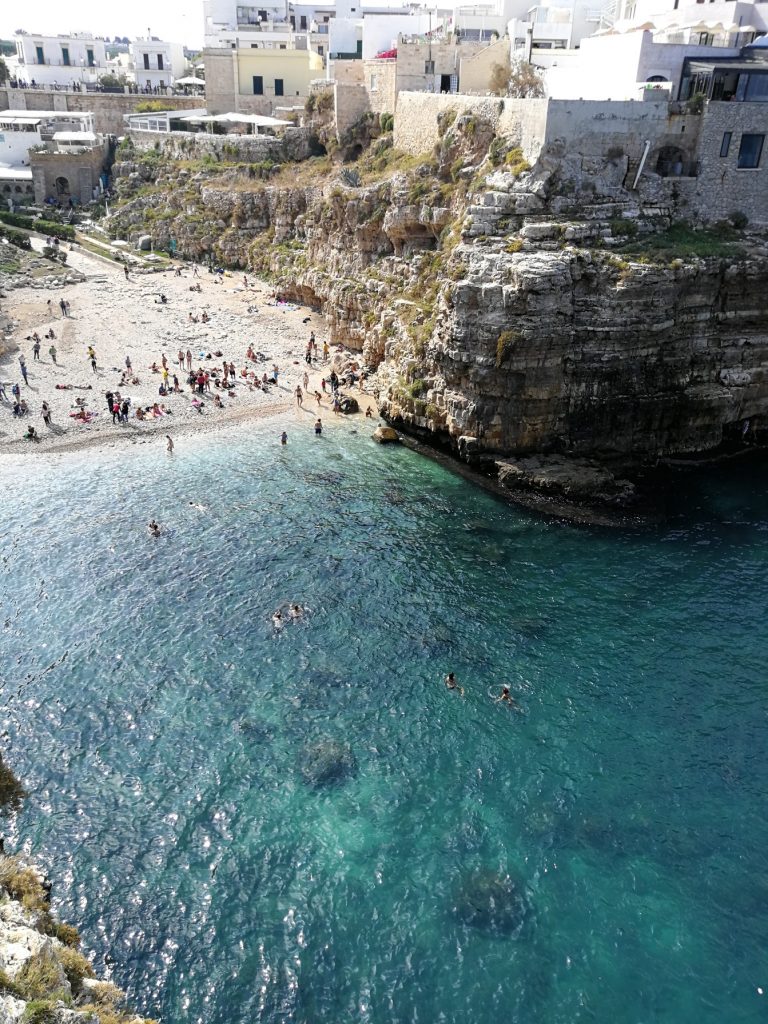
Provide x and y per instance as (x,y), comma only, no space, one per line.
(165,729)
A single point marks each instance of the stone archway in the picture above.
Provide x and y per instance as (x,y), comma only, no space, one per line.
(62,188)
(672,162)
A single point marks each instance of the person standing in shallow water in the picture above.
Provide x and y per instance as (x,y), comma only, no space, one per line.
(284,438)
(318,427)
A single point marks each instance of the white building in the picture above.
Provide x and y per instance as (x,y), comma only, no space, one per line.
(155,64)
(58,60)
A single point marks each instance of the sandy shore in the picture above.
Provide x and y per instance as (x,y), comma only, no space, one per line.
(122,318)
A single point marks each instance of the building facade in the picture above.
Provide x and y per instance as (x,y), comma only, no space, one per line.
(155,64)
(77,59)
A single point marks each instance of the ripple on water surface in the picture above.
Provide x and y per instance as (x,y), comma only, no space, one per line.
(303,824)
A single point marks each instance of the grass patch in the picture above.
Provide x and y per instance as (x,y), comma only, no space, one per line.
(76,968)
(40,978)
(40,1011)
(681,241)
(22,884)
(504,345)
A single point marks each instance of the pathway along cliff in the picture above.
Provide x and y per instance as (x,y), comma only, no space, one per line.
(44,977)
(544,323)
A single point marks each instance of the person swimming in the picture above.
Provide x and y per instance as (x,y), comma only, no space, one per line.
(505,697)
(296,611)
(154,528)
(277,619)
(450,682)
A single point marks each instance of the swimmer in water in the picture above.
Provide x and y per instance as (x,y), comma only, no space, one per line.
(506,697)
(153,528)
(296,611)
(450,682)
(277,619)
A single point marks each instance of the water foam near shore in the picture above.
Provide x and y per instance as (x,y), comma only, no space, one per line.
(304,824)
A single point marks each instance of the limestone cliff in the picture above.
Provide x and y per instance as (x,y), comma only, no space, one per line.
(509,310)
(44,978)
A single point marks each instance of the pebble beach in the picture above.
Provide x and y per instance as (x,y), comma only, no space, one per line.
(122,318)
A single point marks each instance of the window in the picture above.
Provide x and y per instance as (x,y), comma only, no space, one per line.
(303,23)
(282,46)
(262,15)
(258,85)
(91,59)
(278,87)
(750,150)
(321,50)
(65,56)
(725,145)
(429,67)
(159,62)
(146,62)
(40,55)
(374,83)
(706,38)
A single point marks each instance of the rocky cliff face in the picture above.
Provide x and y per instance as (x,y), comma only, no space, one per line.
(510,310)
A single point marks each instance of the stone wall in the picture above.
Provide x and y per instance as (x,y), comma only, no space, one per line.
(108,108)
(81,170)
(722,187)
(416,128)
(380,78)
(475,71)
(350,104)
(293,144)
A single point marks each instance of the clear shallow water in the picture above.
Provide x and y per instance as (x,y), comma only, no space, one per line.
(159,722)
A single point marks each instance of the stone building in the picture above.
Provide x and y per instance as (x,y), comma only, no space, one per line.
(155,64)
(258,81)
(706,165)
(67,171)
(76,59)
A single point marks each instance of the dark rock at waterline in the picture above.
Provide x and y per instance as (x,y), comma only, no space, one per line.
(348,405)
(491,901)
(11,790)
(326,763)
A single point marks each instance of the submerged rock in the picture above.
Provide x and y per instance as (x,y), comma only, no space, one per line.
(326,763)
(386,435)
(576,479)
(491,901)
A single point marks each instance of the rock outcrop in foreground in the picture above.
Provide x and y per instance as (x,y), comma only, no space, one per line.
(44,978)
(511,311)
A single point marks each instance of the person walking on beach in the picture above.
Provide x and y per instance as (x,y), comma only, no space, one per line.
(46,414)
(36,349)
(305,382)
(63,307)
(169,446)
(124,411)
(93,359)
(52,352)
(189,361)
(326,351)
(180,358)
(125,271)
(299,395)
(23,368)
(128,367)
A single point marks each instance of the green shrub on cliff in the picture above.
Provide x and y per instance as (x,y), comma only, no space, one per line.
(40,1011)
(11,790)
(40,978)
(22,883)
(504,345)
(9,987)
(16,238)
(76,968)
